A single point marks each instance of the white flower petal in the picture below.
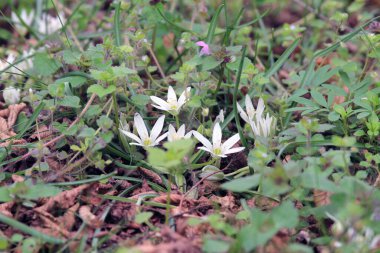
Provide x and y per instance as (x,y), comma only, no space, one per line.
(188,135)
(160,102)
(161,138)
(181,130)
(203,140)
(230,142)
(206,149)
(260,108)
(157,128)
(184,97)
(243,115)
(171,95)
(217,136)
(249,107)
(140,127)
(131,135)
(171,133)
(136,144)
(233,150)
(255,130)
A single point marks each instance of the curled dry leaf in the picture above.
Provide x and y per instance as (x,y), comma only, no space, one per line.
(5,209)
(151,175)
(53,163)
(16,178)
(63,200)
(4,113)
(89,218)
(321,198)
(14,110)
(42,132)
(227,202)
(68,219)
(53,228)
(6,133)
(174,198)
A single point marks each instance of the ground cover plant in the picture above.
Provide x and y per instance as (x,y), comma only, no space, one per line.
(189,126)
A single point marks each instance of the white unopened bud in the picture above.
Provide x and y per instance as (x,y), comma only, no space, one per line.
(205,112)
(11,95)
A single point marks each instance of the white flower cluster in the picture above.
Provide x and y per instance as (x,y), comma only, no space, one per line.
(11,95)
(260,126)
(10,66)
(45,24)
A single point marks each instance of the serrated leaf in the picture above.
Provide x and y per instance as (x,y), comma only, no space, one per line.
(100,91)
(70,101)
(44,65)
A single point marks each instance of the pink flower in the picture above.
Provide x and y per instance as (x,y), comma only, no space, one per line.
(205,48)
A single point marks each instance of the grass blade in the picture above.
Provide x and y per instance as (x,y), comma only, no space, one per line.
(30,231)
(213,24)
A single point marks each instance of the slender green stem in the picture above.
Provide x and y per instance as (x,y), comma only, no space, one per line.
(167,213)
(237,119)
(241,170)
(177,121)
(217,162)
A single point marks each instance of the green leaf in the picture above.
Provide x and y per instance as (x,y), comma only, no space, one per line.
(70,101)
(57,89)
(44,65)
(140,100)
(40,191)
(104,122)
(319,98)
(71,56)
(143,217)
(333,116)
(75,81)
(242,184)
(216,173)
(100,91)
(215,246)
(5,194)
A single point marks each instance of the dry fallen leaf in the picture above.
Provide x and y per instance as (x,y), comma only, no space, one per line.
(321,198)
(89,218)
(14,110)
(64,200)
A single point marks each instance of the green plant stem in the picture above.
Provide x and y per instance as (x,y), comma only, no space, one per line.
(235,111)
(177,121)
(167,212)
(241,170)
(217,162)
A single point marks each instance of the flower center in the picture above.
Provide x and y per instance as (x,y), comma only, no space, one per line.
(147,142)
(217,151)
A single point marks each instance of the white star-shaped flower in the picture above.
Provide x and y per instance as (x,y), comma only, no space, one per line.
(251,112)
(172,105)
(48,24)
(174,135)
(216,148)
(263,126)
(260,125)
(27,18)
(145,139)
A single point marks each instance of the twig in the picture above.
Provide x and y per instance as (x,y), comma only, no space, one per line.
(200,181)
(157,63)
(58,138)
